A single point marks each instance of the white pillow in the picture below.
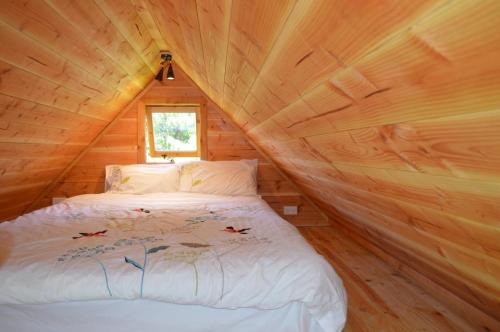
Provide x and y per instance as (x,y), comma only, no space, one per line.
(220,177)
(141,178)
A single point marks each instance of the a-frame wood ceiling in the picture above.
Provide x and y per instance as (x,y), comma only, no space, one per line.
(387,113)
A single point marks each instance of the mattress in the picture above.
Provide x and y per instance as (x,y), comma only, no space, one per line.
(176,253)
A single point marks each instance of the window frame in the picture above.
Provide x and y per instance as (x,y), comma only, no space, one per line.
(173,108)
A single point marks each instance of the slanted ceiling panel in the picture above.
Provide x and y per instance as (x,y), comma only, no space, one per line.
(385,112)
(66,70)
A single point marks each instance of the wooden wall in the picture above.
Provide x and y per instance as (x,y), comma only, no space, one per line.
(386,113)
(62,79)
(224,142)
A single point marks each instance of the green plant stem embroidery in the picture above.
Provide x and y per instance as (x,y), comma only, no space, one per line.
(144,263)
(105,275)
(144,266)
(189,257)
(222,273)
(196,279)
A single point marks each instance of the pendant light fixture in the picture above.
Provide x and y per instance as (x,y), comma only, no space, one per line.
(166,59)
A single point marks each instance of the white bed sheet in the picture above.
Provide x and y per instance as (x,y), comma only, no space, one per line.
(145,315)
(245,256)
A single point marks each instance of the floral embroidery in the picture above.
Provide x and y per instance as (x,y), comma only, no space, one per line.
(250,240)
(115,178)
(82,235)
(85,252)
(141,210)
(212,217)
(189,257)
(185,229)
(134,240)
(93,252)
(188,170)
(125,225)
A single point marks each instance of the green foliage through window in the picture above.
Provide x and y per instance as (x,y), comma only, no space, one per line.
(174,131)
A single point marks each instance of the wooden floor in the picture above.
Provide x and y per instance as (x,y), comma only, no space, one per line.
(380,298)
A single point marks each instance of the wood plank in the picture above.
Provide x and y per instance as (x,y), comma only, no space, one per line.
(469,268)
(23,164)
(451,146)
(185,40)
(89,19)
(84,173)
(20,133)
(21,51)
(31,113)
(149,22)
(307,214)
(84,152)
(42,23)
(230,154)
(219,125)
(24,85)
(124,127)
(117,142)
(213,19)
(12,180)
(254,27)
(141,132)
(124,17)
(9,151)
(275,186)
(380,229)
(440,193)
(307,53)
(230,142)
(21,193)
(381,297)
(69,189)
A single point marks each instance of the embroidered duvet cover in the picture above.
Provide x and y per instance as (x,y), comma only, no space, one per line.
(183,248)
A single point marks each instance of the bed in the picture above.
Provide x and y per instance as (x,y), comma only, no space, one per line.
(176,261)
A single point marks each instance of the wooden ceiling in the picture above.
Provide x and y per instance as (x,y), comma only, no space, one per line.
(387,113)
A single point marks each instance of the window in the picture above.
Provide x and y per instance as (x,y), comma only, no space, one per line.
(173,131)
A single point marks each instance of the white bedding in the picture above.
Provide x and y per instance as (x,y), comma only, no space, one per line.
(182,248)
(146,315)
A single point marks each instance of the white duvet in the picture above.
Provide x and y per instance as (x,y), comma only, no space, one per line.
(183,248)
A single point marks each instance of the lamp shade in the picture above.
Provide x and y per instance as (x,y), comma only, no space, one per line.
(170,72)
(159,76)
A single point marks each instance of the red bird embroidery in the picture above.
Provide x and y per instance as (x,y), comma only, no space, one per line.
(141,210)
(100,233)
(231,229)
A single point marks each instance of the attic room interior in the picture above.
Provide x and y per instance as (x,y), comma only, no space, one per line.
(249,165)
